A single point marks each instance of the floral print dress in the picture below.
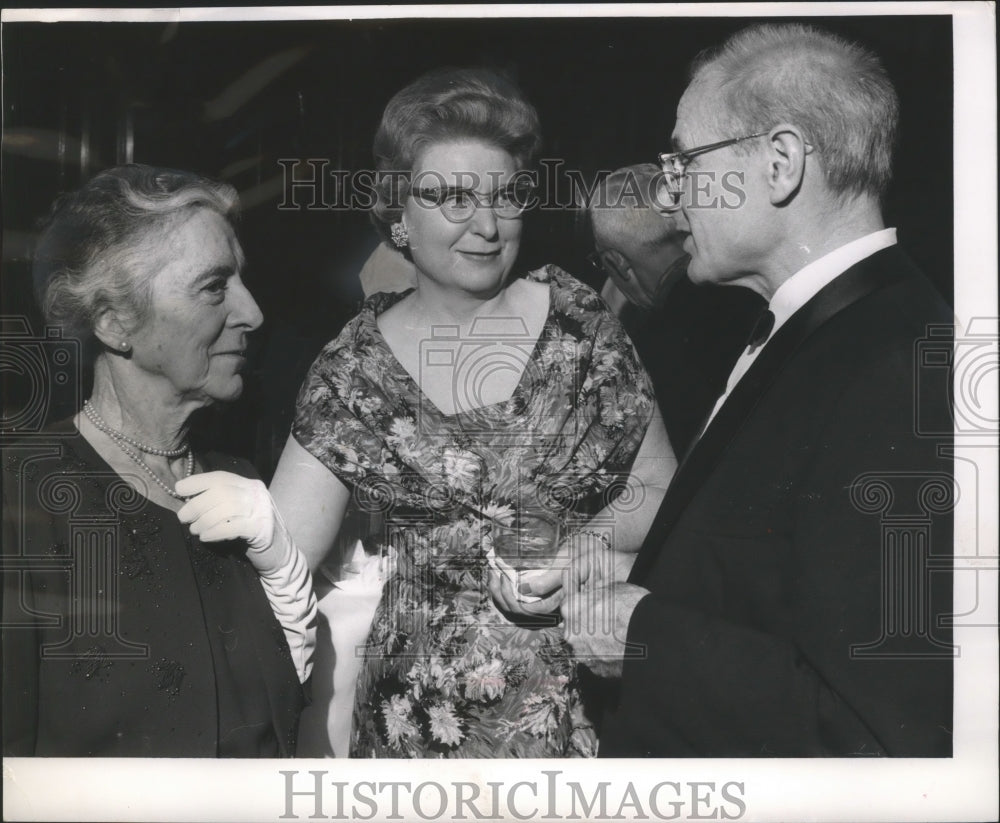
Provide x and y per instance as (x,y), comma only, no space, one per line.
(444,673)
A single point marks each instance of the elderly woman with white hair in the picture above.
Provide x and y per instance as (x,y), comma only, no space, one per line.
(132,635)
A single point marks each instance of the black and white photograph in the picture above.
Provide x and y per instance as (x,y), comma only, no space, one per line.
(602,399)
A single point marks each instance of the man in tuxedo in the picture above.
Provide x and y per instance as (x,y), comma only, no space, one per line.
(791,598)
(688,336)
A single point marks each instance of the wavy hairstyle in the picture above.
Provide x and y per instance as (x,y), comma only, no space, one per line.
(448,104)
(92,255)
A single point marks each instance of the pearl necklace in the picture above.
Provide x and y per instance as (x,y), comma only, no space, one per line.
(98,421)
(124,443)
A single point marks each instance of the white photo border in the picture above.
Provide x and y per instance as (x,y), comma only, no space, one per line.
(963,787)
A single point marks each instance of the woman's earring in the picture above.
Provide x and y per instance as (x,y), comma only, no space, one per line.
(400,237)
(124,346)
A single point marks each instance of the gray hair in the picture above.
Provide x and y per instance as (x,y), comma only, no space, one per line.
(92,256)
(623,205)
(836,91)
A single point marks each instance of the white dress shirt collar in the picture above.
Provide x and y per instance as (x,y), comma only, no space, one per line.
(802,286)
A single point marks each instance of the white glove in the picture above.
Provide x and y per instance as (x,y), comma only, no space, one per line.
(226,506)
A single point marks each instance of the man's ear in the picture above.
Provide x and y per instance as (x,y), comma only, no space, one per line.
(111,331)
(786,162)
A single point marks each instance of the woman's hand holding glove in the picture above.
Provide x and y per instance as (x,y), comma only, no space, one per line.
(227,506)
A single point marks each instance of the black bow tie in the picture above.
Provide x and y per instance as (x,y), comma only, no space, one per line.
(761,331)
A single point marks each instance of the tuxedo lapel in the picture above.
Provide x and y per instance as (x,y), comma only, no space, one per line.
(872,273)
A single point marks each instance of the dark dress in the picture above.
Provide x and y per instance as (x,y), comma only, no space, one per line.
(123,635)
(444,673)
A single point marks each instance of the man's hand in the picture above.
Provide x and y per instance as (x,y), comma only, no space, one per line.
(596,618)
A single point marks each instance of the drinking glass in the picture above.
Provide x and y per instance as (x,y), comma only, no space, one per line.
(526,548)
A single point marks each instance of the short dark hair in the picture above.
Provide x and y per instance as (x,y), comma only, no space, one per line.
(448,104)
(836,91)
(91,255)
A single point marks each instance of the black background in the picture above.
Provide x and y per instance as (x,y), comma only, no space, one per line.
(606,91)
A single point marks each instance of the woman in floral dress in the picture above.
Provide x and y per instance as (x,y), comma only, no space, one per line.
(449,408)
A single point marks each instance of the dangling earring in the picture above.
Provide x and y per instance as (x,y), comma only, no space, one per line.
(400,236)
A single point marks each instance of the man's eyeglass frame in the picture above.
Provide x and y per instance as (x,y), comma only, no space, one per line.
(603,268)
(673,167)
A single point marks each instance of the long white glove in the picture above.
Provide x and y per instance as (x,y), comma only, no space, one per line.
(226,506)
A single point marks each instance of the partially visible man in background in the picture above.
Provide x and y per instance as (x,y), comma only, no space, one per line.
(688,336)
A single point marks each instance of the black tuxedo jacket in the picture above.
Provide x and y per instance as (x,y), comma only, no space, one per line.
(799,566)
(688,347)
